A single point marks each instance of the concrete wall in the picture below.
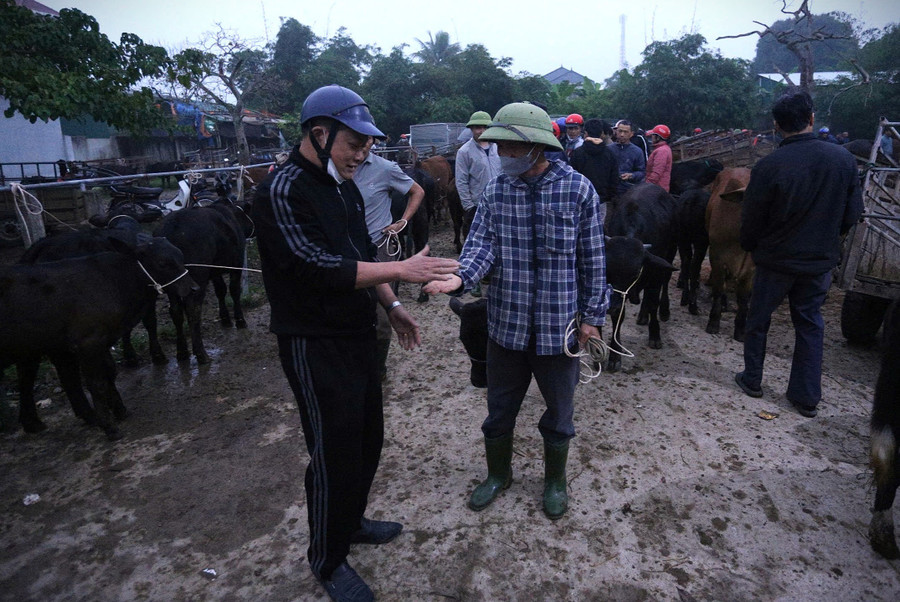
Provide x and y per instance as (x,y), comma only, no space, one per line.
(22,141)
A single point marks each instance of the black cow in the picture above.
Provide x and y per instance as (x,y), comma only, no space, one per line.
(166,166)
(73,311)
(649,214)
(415,236)
(208,236)
(89,242)
(693,241)
(884,437)
(631,265)
(693,174)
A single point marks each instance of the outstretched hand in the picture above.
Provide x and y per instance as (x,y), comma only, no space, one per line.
(406,327)
(443,286)
(422,268)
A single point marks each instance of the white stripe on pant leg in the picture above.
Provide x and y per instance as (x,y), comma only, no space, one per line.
(319,504)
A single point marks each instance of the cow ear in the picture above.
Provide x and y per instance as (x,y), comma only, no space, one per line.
(456,305)
(124,244)
(658,263)
(734,196)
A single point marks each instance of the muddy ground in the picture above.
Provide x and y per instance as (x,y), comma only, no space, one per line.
(679,491)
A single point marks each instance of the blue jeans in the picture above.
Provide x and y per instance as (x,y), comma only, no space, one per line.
(508,377)
(805,294)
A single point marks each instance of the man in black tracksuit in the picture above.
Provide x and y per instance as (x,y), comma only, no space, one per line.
(800,200)
(595,161)
(323,282)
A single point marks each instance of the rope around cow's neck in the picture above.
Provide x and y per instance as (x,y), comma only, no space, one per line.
(156,285)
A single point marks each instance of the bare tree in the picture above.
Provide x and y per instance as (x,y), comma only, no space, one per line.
(225,70)
(797,40)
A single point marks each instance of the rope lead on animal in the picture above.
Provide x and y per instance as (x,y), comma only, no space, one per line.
(156,285)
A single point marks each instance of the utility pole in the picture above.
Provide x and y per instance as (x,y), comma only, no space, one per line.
(623,64)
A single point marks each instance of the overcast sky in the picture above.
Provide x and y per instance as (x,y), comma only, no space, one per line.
(583,35)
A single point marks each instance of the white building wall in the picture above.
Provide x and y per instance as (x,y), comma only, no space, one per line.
(22,141)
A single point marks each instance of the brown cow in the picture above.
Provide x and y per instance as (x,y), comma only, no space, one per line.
(439,168)
(728,261)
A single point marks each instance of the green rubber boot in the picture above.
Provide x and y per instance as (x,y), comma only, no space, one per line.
(499,459)
(556,500)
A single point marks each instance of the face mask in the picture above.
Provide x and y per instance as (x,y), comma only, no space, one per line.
(515,166)
(333,172)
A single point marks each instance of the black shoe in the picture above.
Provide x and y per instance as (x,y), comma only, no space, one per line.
(808,411)
(345,585)
(376,532)
(739,379)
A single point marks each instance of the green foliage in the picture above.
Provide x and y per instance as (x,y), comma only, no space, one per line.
(532,88)
(437,50)
(64,67)
(682,84)
(844,106)
(827,55)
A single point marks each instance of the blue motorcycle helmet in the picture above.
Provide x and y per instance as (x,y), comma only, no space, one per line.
(345,107)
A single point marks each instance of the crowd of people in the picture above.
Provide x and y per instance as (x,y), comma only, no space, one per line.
(534,192)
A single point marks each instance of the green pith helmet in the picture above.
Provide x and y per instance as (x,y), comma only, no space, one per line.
(522,122)
(479,118)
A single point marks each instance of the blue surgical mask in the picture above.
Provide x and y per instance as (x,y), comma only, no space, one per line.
(516,166)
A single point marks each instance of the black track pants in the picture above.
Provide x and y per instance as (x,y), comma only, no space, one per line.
(338,391)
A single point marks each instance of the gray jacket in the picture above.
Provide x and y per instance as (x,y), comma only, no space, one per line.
(474,169)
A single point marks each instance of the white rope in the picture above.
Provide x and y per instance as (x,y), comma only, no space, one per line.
(221,267)
(194,177)
(159,287)
(597,349)
(24,199)
(392,240)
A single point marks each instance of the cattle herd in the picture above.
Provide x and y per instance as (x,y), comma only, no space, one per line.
(72,296)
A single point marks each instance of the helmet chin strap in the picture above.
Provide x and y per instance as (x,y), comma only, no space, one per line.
(324,154)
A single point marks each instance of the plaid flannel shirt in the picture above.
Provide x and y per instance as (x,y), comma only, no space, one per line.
(542,244)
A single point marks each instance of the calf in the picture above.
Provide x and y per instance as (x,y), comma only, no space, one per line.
(208,236)
(415,236)
(727,260)
(648,214)
(884,437)
(631,265)
(73,311)
(439,169)
(81,243)
(693,241)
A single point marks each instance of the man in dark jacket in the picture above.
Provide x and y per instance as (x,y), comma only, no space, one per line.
(595,161)
(800,200)
(322,281)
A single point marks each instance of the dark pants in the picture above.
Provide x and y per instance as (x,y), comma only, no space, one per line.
(338,392)
(508,377)
(805,294)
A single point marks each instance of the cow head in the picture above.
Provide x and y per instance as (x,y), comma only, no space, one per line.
(473,333)
(626,260)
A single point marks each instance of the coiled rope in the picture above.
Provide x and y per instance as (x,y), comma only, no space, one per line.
(597,349)
(25,201)
(392,240)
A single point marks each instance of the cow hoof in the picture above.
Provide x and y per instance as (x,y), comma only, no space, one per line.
(202,359)
(423,297)
(643,320)
(712,329)
(159,359)
(881,534)
(242,323)
(613,366)
(664,315)
(34,426)
(655,344)
(183,355)
(693,310)
(739,337)
(684,300)
(113,433)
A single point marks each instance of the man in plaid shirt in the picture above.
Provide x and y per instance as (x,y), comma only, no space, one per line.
(539,235)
